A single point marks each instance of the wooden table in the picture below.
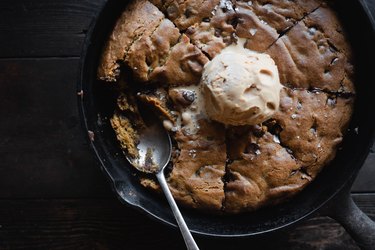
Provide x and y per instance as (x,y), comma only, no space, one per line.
(52,192)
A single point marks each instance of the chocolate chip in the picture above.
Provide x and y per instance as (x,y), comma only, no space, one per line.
(258,131)
(252,148)
(234,22)
(172,11)
(189,12)
(273,127)
(189,96)
(190,30)
(182,97)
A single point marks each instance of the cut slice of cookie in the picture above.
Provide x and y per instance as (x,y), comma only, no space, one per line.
(196,179)
(138,17)
(312,55)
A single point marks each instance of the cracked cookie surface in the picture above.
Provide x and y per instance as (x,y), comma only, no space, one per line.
(164,45)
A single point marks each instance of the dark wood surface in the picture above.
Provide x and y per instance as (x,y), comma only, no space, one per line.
(52,193)
(106,224)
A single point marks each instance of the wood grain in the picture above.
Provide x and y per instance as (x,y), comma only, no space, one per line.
(43,150)
(52,193)
(107,224)
(45,28)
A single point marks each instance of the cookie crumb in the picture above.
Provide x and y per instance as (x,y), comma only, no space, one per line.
(80,93)
(91,135)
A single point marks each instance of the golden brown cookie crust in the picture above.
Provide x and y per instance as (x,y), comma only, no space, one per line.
(137,18)
(166,43)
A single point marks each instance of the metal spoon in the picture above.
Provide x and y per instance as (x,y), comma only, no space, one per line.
(155,150)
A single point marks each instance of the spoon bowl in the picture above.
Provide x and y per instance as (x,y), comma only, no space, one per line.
(154,153)
(154,149)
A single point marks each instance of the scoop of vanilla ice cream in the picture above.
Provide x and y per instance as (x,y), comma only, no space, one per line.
(241,87)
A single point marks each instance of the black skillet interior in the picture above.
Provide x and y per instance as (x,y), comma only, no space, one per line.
(98,103)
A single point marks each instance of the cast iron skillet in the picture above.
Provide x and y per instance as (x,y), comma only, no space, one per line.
(330,191)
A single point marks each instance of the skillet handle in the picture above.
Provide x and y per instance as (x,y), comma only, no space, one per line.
(356,223)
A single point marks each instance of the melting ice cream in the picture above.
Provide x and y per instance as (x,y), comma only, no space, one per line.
(241,87)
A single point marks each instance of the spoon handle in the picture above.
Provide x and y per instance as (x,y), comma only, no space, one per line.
(189,240)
